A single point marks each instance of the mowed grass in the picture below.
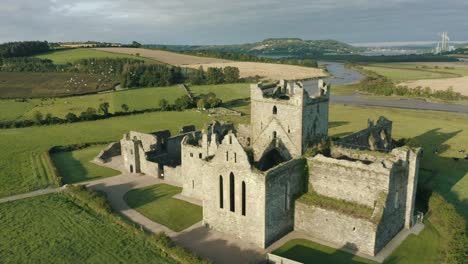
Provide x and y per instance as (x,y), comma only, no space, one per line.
(54,229)
(49,84)
(64,56)
(75,166)
(157,203)
(136,99)
(308,252)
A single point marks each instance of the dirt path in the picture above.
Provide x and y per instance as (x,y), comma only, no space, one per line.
(31,194)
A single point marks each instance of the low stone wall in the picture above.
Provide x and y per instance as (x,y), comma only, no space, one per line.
(275,259)
(112,150)
(342,230)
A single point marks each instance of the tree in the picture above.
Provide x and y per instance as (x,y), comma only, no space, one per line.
(125,107)
(183,102)
(89,114)
(197,76)
(38,117)
(164,104)
(214,75)
(104,108)
(136,44)
(201,104)
(231,74)
(71,117)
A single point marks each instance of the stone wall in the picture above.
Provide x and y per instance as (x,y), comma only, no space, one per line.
(283,183)
(339,229)
(231,159)
(192,170)
(347,180)
(376,136)
(173,175)
(112,150)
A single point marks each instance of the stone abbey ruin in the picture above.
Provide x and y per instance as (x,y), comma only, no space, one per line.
(261,181)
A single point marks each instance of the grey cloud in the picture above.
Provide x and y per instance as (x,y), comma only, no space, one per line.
(221,21)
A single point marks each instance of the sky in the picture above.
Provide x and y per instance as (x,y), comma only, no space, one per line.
(201,22)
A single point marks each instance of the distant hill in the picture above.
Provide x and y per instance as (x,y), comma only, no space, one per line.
(293,47)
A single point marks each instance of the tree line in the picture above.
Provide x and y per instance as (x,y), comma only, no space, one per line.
(23,48)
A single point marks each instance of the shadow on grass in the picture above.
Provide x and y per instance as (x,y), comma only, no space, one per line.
(140,197)
(439,173)
(337,124)
(237,103)
(70,169)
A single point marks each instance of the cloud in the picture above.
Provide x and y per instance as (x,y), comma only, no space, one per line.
(221,21)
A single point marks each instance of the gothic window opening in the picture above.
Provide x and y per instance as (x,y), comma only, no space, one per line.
(274,134)
(200,155)
(230,139)
(221,200)
(232,203)
(235,157)
(275,110)
(243,198)
(227,156)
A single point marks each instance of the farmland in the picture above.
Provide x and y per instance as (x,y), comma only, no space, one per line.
(136,99)
(64,56)
(437,76)
(46,84)
(247,69)
(55,227)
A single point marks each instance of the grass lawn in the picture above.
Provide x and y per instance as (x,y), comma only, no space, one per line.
(53,228)
(156,203)
(63,56)
(75,166)
(309,252)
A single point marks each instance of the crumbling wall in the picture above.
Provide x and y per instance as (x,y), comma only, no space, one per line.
(376,136)
(342,230)
(112,150)
(283,183)
(347,180)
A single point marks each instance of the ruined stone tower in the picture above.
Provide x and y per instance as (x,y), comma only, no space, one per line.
(287,117)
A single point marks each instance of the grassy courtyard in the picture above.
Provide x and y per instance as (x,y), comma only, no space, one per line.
(55,228)
(157,203)
(309,252)
(75,166)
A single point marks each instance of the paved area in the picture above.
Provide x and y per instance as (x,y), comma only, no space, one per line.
(416,104)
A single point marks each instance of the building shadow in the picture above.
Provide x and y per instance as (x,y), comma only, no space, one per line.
(337,124)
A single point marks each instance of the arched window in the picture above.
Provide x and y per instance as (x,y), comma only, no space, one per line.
(221,198)
(232,203)
(227,156)
(243,198)
(235,157)
(230,139)
(275,110)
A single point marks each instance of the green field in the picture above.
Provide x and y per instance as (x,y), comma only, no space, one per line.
(136,99)
(53,228)
(64,56)
(448,132)
(399,72)
(75,166)
(156,203)
(309,252)
(48,84)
